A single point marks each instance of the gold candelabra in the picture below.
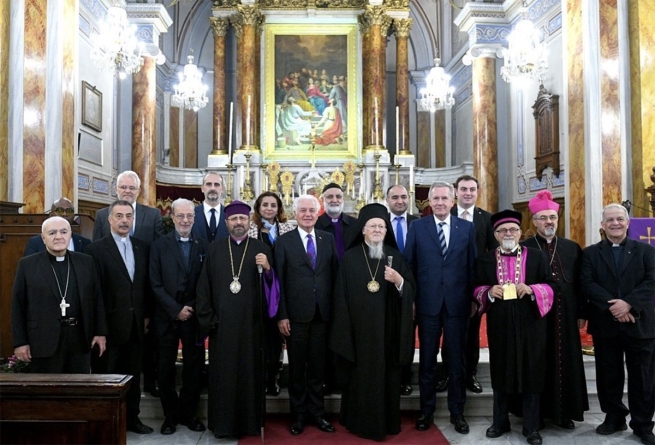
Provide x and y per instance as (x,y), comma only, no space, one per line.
(377,190)
(247,193)
(228,195)
(264,185)
(361,201)
(397,167)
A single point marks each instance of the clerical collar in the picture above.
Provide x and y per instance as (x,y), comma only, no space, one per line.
(543,239)
(57,258)
(511,252)
(335,220)
(621,244)
(181,238)
(120,239)
(238,241)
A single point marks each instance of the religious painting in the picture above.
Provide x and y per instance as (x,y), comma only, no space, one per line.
(91,107)
(310,91)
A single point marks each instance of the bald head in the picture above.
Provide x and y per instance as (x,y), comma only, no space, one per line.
(63,207)
(56,234)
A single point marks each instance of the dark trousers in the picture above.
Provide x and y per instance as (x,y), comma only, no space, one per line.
(274,345)
(430,328)
(68,357)
(124,359)
(610,378)
(530,410)
(406,372)
(472,352)
(185,406)
(149,360)
(306,348)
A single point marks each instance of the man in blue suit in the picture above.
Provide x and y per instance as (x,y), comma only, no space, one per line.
(209,223)
(441,253)
(62,207)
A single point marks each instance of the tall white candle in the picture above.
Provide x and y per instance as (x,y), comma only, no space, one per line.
(229,142)
(242,173)
(411,178)
(377,122)
(397,130)
(248,122)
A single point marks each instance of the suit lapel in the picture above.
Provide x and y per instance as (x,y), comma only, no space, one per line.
(628,255)
(50,276)
(140,216)
(432,231)
(112,248)
(606,255)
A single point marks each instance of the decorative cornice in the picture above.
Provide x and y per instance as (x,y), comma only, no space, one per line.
(402,27)
(396,4)
(475,12)
(153,14)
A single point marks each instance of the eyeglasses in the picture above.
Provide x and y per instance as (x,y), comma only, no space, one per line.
(128,187)
(181,216)
(62,211)
(512,230)
(380,227)
(544,218)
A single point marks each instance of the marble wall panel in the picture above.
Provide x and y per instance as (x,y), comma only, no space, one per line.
(34,106)
(190,139)
(69,63)
(440,138)
(174,129)
(4,100)
(144,151)
(423,145)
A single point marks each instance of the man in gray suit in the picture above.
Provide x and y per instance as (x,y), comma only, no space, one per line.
(147,224)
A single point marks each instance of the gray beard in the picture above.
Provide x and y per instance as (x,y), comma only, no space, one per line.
(508,245)
(376,251)
(549,232)
(334,211)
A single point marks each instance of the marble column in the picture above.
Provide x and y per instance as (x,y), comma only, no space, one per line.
(641,14)
(249,19)
(68,35)
(4,101)
(485,142)
(365,31)
(574,66)
(374,73)
(401,28)
(144,153)
(220,117)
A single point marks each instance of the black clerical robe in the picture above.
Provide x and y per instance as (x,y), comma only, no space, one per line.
(565,396)
(234,324)
(373,332)
(516,329)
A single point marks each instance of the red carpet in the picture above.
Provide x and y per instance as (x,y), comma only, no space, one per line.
(277,432)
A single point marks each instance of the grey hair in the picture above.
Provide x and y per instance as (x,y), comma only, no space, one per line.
(179,202)
(52,219)
(304,198)
(616,206)
(442,184)
(129,174)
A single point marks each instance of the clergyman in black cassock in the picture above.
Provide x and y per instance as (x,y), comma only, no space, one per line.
(231,306)
(372,326)
(565,397)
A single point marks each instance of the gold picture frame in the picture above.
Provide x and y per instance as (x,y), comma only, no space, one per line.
(91,107)
(290,52)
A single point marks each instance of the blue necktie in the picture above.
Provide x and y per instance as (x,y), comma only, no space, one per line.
(442,239)
(400,235)
(212,225)
(311,251)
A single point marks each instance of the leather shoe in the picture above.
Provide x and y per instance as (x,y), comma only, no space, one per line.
(495,431)
(139,427)
(442,384)
(606,428)
(152,389)
(273,389)
(323,424)
(461,426)
(533,437)
(473,385)
(566,424)
(297,428)
(406,390)
(168,427)
(423,422)
(194,424)
(648,437)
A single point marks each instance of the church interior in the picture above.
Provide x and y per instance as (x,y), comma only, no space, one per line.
(289,95)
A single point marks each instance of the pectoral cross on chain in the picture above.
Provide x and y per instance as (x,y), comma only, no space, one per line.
(63,305)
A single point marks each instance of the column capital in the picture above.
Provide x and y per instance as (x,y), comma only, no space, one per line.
(402,27)
(151,20)
(251,15)
(219,25)
(375,16)
(491,51)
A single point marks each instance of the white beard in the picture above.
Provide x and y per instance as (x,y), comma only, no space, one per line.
(335,210)
(549,232)
(376,251)
(508,245)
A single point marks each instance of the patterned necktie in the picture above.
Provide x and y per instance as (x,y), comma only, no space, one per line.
(212,225)
(311,251)
(442,239)
(400,235)
(465,215)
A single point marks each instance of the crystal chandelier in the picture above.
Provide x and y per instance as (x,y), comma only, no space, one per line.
(117,48)
(525,59)
(190,92)
(437,94)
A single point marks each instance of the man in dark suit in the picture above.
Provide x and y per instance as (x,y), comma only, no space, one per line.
(306,264)
(441,253)
(175,263)
(334,221)
(64,208)
(397,202)
(209,223)
(618,280)
(122,263)
(466,191)
(57,312)
(146,225)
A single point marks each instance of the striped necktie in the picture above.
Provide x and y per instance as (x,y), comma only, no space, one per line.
(442,239)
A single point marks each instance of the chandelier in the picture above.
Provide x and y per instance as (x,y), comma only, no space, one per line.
(437,94)
(525,59)
(117,48)
(190,92)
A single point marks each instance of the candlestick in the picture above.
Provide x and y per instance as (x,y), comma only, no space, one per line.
(229,142)
(411,177)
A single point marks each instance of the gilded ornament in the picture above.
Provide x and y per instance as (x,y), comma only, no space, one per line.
(219,26)
(402,27)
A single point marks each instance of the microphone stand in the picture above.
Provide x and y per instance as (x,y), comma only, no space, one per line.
(262,357)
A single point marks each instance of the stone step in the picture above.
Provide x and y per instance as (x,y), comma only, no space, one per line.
(476,404)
